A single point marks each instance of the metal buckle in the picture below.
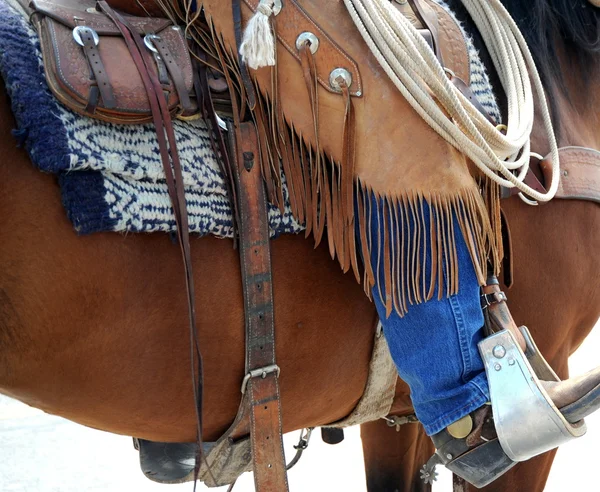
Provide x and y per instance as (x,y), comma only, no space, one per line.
(262,372)
(149,42)
(79,30)
(493,298)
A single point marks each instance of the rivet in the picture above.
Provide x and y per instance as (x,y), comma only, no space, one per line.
(310,38)
(499,351)
(497,367)
(565,173)
(449,456)
(335,74)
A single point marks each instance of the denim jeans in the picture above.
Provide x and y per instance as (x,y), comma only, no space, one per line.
(434,345)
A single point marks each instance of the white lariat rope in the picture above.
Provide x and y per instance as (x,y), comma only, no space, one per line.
(415,71)
(258,44)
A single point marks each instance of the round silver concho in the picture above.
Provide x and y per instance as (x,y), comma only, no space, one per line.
(308,37)
(336,74)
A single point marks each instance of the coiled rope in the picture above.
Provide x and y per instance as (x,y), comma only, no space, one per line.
(415,71)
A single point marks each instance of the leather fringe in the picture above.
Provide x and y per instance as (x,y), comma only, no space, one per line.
(416,231)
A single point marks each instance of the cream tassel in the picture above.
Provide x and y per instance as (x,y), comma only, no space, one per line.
(258,46)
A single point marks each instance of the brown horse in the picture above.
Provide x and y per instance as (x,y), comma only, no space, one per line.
(94,328)
(556,292)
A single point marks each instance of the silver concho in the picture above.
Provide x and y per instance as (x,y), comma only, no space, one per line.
(308,37)
(335,74)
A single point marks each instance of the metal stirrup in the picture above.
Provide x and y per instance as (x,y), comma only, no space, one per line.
(527,421)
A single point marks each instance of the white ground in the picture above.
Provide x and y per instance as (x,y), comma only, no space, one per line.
(41,453)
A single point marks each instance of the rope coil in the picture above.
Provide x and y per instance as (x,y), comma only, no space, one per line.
(414,69)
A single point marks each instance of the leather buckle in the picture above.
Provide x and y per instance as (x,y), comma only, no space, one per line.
(261,372)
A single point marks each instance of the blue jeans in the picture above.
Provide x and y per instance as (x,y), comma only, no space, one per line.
(434,345)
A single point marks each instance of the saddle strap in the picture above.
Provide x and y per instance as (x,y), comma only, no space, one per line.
(261,384)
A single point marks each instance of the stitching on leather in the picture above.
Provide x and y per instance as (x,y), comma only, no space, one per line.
(337,49)
(455,58)
(187,75)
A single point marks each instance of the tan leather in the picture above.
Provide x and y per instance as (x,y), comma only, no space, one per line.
(430,20)
(452,43)
(384,149)
(580,173)
(409,156)
(68,71)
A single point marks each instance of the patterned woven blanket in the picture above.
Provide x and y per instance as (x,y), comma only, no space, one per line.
(111,177)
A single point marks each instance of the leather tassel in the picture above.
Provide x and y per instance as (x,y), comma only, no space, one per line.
(258,44)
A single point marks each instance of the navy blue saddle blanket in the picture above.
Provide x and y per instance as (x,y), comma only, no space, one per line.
(111,176)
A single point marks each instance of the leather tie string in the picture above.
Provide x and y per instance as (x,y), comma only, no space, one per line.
(172,167)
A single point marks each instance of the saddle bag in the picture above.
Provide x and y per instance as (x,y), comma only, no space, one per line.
(90,69)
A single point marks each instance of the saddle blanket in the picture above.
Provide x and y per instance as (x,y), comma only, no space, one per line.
(111,177)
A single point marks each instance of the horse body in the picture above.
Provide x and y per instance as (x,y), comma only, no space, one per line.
(94,328)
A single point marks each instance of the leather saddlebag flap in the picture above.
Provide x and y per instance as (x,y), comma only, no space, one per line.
(112,90)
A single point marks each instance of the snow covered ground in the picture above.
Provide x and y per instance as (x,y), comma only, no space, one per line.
(42,453)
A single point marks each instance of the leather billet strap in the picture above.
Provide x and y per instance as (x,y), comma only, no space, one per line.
(261,384)
(496,313)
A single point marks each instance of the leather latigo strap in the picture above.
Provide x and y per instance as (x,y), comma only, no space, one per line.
(106,84)
(261,384)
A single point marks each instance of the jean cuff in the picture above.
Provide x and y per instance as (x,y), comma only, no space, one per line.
(479,395)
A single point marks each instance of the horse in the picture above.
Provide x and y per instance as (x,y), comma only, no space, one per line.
(92,328)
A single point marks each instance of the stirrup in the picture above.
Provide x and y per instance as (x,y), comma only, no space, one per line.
(519,402)
(522,422)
